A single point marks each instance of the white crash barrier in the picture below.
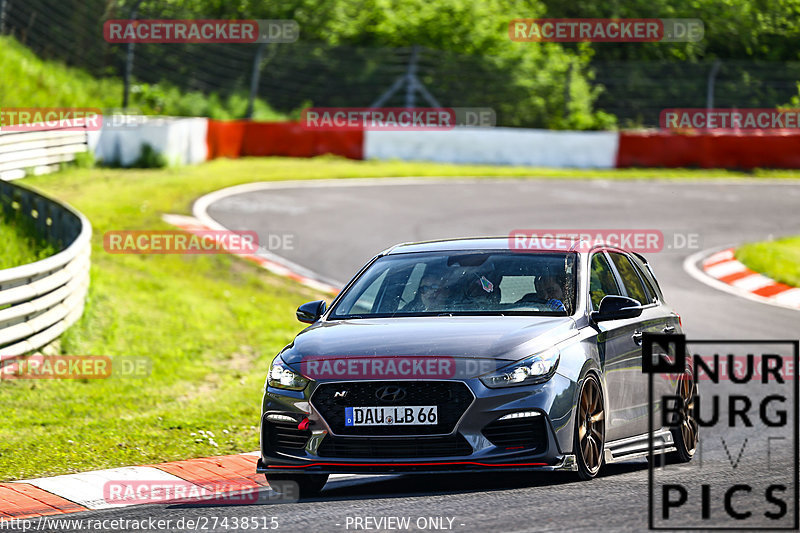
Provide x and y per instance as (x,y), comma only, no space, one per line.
(181,140)
(497,146)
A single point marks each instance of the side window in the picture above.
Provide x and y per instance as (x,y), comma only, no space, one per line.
(601,280)
(649,280)
(630,278)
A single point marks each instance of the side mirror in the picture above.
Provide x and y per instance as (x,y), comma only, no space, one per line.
(311,311)
(616,308)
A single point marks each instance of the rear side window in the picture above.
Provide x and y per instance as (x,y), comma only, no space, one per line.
(601,280)
(648,278)
(630,278)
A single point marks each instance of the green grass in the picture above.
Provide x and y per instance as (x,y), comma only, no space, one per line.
(28,81)
(779,260)
(210,324)
(19,243)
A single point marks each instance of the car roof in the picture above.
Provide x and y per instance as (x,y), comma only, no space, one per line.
(541,244)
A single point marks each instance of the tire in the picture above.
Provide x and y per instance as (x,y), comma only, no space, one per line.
(686,435)
(590,429)
(297,485)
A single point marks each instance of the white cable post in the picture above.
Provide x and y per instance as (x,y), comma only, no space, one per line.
(3,17)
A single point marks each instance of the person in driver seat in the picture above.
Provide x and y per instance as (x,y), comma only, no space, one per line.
(549,290)
(551,287)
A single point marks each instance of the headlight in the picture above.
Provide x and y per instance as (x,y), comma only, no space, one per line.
(282,377)
(534,369)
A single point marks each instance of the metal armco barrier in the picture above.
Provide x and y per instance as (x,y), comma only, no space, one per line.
(40,300)
(38,151)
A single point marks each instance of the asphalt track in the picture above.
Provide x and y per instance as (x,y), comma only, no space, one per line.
(336,229)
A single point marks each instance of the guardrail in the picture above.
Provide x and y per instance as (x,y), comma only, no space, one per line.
(39,151)
(40,300)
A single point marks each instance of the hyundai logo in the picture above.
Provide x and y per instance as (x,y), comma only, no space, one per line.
(340,394)
(390,393)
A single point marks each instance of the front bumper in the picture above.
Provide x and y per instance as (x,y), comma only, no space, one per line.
(324,449)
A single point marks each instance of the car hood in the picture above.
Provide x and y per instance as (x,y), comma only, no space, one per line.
(494,341)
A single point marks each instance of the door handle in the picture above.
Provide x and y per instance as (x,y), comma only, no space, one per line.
(669,329)
(637,338)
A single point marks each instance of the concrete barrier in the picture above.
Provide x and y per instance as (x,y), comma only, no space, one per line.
(496,146)
(181,140)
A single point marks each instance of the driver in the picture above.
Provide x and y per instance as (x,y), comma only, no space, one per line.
(549,291)
(551,287)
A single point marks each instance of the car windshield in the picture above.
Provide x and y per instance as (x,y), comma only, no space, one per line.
(462,283)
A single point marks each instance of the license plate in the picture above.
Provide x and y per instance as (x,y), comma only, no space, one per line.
(415,415)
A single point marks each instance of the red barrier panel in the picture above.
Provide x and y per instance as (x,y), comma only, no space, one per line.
(349,144)
(777,149)
(289,139)
(277,138)
(224,138)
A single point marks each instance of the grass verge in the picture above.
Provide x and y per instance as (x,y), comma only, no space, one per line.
(20,244)
(779,260)
(210,324)
(29,81)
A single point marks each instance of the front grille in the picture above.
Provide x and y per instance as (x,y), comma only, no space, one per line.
(451,398)
(528,432)
(284,436)
(394,448)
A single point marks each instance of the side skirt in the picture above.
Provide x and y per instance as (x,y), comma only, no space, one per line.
(636,447)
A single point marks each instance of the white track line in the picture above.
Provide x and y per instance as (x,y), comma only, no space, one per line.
(202,204)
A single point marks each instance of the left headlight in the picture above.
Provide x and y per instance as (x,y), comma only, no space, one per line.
(282,377)
(534,369)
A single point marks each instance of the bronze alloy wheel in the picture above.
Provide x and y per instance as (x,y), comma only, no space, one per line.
(686,434)
(591,429)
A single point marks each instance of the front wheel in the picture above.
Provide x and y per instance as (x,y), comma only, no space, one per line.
(297,485)
(590,429)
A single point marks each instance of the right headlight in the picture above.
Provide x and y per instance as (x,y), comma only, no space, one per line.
(282,377)
(535,369)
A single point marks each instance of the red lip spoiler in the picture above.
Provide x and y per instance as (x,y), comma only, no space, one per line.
(437,463)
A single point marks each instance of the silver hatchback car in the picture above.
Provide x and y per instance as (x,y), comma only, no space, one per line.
(467,355)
